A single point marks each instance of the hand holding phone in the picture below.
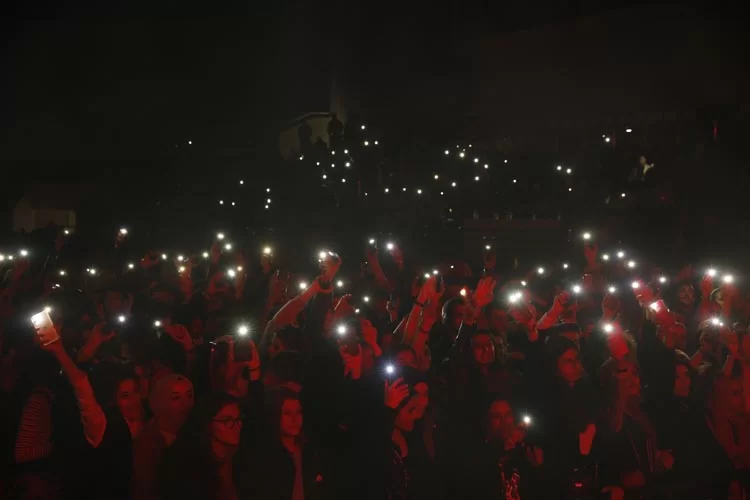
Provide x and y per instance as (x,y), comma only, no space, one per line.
(45,329)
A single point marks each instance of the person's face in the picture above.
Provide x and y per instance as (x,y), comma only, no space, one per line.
(407,415)
(681,382)
(226,425)
(406,358)
(569,366)
(686,295)
(628,381)
(483,349)
(180,403)
(719,298)
(456,316)
(291,418)
(501,421)
(128,399)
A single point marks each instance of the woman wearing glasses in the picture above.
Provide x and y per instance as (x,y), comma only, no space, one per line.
(199,464)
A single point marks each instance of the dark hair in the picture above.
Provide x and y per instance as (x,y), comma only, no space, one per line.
(287,366)
(106,377)
(274,401)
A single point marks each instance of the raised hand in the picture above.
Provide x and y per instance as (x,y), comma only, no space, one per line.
(484,293)
(395,393)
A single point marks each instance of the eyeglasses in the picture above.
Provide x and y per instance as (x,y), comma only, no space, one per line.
(229,422)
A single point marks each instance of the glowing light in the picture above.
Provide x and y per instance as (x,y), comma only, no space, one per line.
(662,279)
(386,190)
(157,323)
(228,246)
(506,161)
(366,298)
(559,168)
(92,271)
(367,143)
(436,176)
(243,330)
(371,241)
(180,258)
(390,246)
(231,273)
(363,127)
(325,177)
(463,292)
(486,166)
(608,328)
(447,152)
(515,181)
(607,139)
(476,178)
(632,264)
(565,265)
(527,420)
(340,284)
(241,182)
(232,203)
(131,265)
(487,247)
(268,200)
(605,256)
(620,254)
(390,369)
(123,231)
(461,154)
(181,269)
(24,253)
(568,170)
(205,255)
(220,236)
(302,285)
(347,164)
(612,289)
(587,236)
(453,184)
(622,195)
(268,190)
(267,251)
(221,202)
(419,191)
(711,273)
(540,270)
(121,318)
(476,160)
(376,143)
(636,285)
(343,181)
(628,130)
(62,272)
(728,279)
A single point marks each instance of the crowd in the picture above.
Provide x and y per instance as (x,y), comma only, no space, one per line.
(221,375)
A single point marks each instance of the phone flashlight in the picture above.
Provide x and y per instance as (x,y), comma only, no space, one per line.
(62,272)
(243,330)
(711,273)
(2,257)
(340,283)
(605,256)
(655,306)
(565,265)
(302,285)
(92,271)
(426,276)
(620,254)
(488,247)
(157,323)
(164,256)
(540,271)
(231,273)
(205,255)
(662,279)
(220,236)
(514,297)
(527,420)
(523,283)
(586,236)
(181,269)
(612,289)
(24,252)
(66,232)
(366,298)
(228,246)
(636,285)
(390,246)
(239,269)
(372,241)
(356,311)
(728,279)
(390,369)
(322,255)
(180,258)
(716,322)
(341,330)
(10,257)
(121,319)
(267,251)
(577,289)
(608,328)
(123,231)
(131,265)
(435,272)
(632,264)
(463,292)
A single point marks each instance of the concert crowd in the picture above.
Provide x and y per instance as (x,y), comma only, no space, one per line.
(224,375)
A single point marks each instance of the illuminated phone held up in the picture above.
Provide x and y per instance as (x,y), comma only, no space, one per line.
(45,329)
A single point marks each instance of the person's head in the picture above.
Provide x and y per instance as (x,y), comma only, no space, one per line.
(565,359)
(500,420)
(225,425)
(284,413)
(483,348)
(727,397)
(171,401)
(286,339)
(686,295)
(404,356)
(628,379)
(620,344)
(454,312)
(285,369)
(682,380)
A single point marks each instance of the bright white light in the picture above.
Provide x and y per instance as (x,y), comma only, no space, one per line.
(221,202)
(419,191)
(607,139)
(322,255)
(92,271)
(367,143)
(716,322)
(487,247)
(622,195)
(346,151)
(632,264)
(476,178)
(662,279)
(523,283)
(205,255)
(486,166)
(570,190)
(24,253)
(559,168)
(476,160)
(453,184)
(164,256)
(242,182)
(628,130)
(340,284)
(123,231)
(180,258)
(325,177)
(157,323)
(343,180)
(461,154)
(66,231)
(577,289)
(220,236)
(121,318)
(390,369)
(506,161)
(333,165)
(302,285)
(403,189)
(232,203)
(436,176)
(243,330)
(386,190)
(620,254)
(463,292)
(190,142)
(181,269)
(586,236)
(527,420)
(636,285)
(268,201)
(302,157)
(390,246)
(356,311)
(231,273)
(565,265)
(363,127)
(366,298)
(711,272)
(228,246)
(605,256)
(268,190)
(347,164)
(435,272)
(608,328)
(131,265)
(447,152)
(540,270)
(728,278)
(612,289)
(442,193)
(333,152)
(62,272)
(569,171)
(515,181)
(376,143)
(267,251)
(239,269)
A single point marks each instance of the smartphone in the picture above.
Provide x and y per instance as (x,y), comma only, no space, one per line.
(45,328)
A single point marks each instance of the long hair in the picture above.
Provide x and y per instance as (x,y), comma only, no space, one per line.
(274,401)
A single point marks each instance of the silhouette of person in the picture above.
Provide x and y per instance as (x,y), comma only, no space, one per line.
(304,134)
(335,132)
